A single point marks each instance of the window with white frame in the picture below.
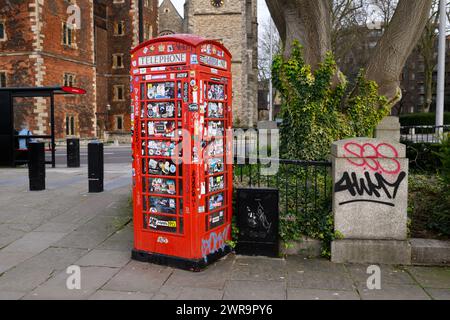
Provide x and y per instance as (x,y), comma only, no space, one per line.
(67,35)
(69,80)
(2,79)
(119,28)
(118,61)
(119,122)
(70,125)
(2,30)
(119,92)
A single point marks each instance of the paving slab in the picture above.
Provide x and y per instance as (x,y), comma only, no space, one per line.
(213,277)
(168,292)
(315,294)
(10,295)
(431,277)
(120,295)
(139,277)
(104,258)
(259,269)
(317,274)
(439,294)
(389,274)
(9,260)
(92,279)
(394,292)
(29,274)
(8,234)
(34,242)
(85,240)
(56,227)
(121,240)
(254,290)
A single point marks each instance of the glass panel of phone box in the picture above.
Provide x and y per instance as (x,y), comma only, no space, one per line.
(161,115)
(215,155)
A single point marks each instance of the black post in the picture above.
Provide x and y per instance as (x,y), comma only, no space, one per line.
(52,124)
(95,167)
(36,166)
(73,153)
(141,20)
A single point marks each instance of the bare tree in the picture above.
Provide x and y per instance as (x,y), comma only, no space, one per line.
(427,49)
(383,10)
(264,61)
(311,23)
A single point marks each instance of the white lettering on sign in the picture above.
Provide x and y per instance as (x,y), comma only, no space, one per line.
(162,59)
(211,61)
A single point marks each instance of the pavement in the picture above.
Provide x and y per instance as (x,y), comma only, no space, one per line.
(43,233)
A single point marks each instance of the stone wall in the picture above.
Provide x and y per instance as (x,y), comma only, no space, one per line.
(170,21)
(370,199)
(235,25)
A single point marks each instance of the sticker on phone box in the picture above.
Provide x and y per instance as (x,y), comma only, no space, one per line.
(215,165)
(162,167)
(162,205)
(161,129)
(161,110)
(162,223)
(161,148)
(162,186)
(216,201)
(162,90)
(216,183)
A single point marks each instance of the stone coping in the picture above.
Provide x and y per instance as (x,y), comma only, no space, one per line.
(367,147)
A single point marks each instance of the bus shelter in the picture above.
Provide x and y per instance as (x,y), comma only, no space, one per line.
(8,135)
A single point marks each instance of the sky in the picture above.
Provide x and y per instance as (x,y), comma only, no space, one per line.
(263,12)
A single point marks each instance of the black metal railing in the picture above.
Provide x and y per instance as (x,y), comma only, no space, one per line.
(304,186)
(423,134)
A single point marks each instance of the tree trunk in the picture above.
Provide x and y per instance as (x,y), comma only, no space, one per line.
(428,89)
(307,21)
(389,57)
(310,22)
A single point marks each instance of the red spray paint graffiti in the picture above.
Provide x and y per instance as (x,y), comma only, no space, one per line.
(368,156)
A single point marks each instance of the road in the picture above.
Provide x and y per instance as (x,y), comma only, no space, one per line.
(112,155)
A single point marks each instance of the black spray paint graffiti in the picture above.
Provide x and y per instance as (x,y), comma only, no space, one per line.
(366,186)
(258,217)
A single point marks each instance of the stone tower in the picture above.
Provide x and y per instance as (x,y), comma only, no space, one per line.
(234,23)
(170,21)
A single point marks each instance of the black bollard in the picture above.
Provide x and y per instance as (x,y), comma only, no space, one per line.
(73,153)
(95,167)
(36,166)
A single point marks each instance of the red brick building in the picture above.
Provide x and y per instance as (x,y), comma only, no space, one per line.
(39,47)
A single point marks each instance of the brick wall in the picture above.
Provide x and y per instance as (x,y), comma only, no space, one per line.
(34,55)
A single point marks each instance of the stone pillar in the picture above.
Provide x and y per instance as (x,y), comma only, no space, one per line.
(388,129)
(370,198)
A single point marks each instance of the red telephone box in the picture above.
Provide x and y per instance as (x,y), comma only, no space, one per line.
(182,151)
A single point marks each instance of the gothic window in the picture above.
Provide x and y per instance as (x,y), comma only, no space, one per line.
(118,61)
(119,123)
(2,31)
(67,35)
(119,93)
(69,80)
(119,28)
(70,125)
(2,79)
